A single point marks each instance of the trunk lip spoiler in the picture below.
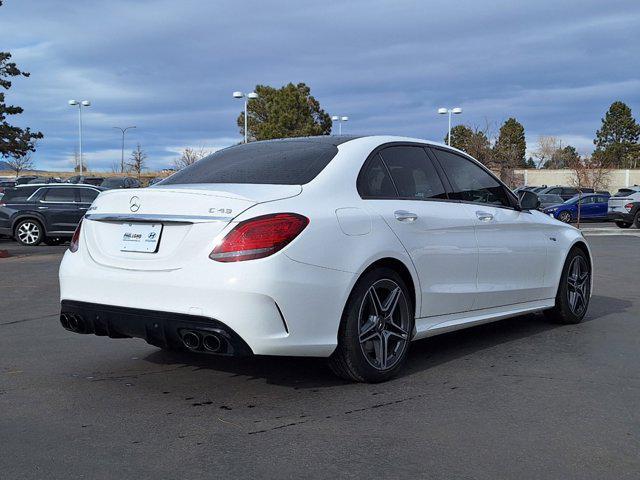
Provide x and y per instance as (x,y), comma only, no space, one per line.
(156,218)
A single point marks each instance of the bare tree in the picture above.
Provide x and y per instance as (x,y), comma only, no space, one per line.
(20,164)
(189,157)
(138,160)
(547,147)
(589,172)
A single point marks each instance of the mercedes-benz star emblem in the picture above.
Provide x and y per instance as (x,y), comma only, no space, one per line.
(134,204)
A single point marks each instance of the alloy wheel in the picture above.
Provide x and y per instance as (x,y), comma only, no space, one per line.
(28,233)
(565,217)
(578,285)
(383,324)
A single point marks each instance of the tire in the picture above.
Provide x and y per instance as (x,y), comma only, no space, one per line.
(572,299)
(29,232)
(53,241)
(565,217)
(623,224)
(381,313)
(636,220)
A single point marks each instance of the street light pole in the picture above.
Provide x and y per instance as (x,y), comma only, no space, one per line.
(123,130)
(339,119)
(247,97)
(83,103)
(449,111)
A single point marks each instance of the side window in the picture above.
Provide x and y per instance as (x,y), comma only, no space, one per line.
(374,181)
(412,172)
(65,195)
(569,191)
(88,195)
(470,182)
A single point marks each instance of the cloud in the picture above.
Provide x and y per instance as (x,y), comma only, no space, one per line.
(170,67)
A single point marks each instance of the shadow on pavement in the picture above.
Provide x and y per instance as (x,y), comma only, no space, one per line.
(305,373)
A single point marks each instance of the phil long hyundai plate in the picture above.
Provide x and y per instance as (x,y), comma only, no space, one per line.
(140,237)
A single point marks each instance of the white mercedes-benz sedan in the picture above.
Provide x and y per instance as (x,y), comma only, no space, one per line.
(340,247)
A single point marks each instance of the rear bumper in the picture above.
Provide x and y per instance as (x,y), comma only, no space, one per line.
(620,217)
(161,329)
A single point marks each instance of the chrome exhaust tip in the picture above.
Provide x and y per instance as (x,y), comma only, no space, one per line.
(72,322)
(211,343)
(191,340)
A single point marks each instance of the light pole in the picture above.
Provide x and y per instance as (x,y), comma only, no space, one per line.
(123,130)
(455,111)
(83,103)
(247,97)
(340,119)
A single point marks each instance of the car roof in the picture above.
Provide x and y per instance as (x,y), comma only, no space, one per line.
(57,185)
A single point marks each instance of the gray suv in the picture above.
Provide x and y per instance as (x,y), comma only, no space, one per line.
(624,207)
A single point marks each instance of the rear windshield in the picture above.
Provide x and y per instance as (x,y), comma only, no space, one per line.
(624,192)
(294,162)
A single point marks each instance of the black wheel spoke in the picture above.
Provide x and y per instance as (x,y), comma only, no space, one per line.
(578,277)
(384,324)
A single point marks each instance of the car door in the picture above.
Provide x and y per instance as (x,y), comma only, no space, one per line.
(60,208)
(401,184)
(588,207)
(512,246)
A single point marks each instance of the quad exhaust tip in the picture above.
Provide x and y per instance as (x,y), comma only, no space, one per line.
(211,343)
(191,340)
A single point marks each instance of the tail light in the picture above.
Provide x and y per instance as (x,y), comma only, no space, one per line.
(259,237)
(75,240)
(628,207)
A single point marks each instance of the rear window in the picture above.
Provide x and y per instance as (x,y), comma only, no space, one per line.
(112,182)
(624,192)
(294,162)
(18,195)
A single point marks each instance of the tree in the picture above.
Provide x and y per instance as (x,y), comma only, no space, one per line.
(617,140)
(473,141)
(510,148)
(189,157)
(20,164)
(138,160)
(290,111)
(15,142)
(547,147)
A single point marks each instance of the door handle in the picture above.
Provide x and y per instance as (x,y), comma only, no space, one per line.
(83,208)
(484,216)
(404,216)
(42,208)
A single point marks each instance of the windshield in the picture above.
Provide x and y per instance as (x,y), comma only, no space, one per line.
(112,182)
(281,162)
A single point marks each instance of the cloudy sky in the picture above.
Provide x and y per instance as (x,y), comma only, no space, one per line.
(169,67)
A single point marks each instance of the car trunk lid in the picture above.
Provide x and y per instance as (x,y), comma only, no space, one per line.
(185,218)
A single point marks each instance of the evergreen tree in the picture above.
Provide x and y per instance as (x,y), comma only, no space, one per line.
(290,111)
(15,142)
(617,140)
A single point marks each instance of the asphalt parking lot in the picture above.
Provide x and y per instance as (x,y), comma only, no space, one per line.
(521,398)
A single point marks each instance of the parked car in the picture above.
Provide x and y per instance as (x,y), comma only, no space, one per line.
(25,179)
(40,180)
(623,207)
(548,200)
(154,180)
(339,247)
(44,213)
(120,182)
(86,180)
(565,192)
(593,206)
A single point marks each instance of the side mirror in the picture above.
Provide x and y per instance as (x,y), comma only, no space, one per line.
(529,200)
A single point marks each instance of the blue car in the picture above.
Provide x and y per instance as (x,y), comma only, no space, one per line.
(593,206)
